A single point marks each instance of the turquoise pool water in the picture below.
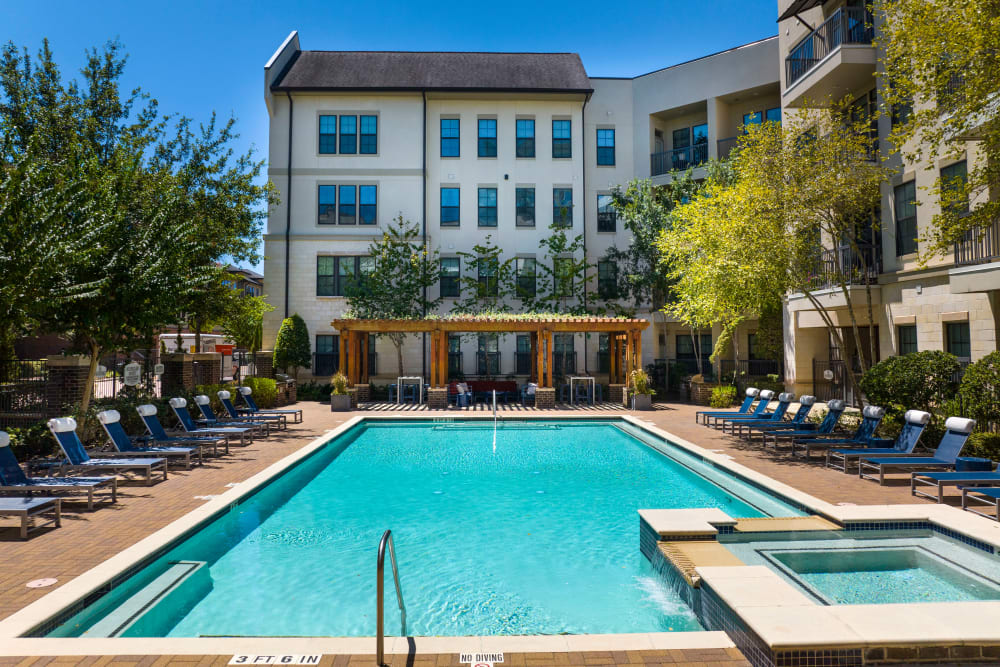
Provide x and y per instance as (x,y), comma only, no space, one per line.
(536,536)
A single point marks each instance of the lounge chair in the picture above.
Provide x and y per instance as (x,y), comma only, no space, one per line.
(64,431)
(179,406)
(744,409)
(210,419)
(147,413)
(226,398)
(776,416)
(989,496)
(957,431)
(764,399)
(246,393)
(111,421)
(835,409)
(798,419)
(13,479)
(28,508)
(914,423)
(871,417)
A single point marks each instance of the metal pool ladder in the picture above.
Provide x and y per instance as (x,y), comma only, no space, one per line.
(380,597)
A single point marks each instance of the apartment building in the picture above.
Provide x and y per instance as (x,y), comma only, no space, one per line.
(950,303)
(470,145)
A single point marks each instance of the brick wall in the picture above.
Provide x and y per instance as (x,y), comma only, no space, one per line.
(67,378)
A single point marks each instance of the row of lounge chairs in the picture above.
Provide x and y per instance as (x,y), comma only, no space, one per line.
(149,455)
(871,457)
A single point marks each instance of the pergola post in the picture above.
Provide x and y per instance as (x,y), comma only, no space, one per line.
(549,358)
(364,358)
(342,351)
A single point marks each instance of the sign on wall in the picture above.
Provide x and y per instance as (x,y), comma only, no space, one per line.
(132,374)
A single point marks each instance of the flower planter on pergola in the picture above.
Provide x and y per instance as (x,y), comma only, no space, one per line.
(624,339)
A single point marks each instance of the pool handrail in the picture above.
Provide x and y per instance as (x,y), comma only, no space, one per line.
(380,597)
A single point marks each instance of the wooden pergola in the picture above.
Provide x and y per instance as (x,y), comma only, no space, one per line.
(624,339)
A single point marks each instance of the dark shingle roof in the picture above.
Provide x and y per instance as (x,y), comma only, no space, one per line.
(402,70)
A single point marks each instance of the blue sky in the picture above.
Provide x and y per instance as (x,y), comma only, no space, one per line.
(195,57)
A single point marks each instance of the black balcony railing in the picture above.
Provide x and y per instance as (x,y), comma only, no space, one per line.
(487,363)
(979,246)
(564,363)
(677,159)
(522,363)
(455,365)
(848,266)
(726,146)
(325,364)
(849,25)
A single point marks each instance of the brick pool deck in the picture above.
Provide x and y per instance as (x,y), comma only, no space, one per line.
(88,538)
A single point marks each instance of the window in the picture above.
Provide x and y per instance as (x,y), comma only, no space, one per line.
(525,268)
(348,134)
(607,220)
(450,135)
(606,147)
(334,274)
(327,358)
(348,214)
(562,139)
(564,354)
(681,155)
(525,137)
(487,278)
(523,355)
(953,178)
(488,355)
(901,113)
(451,272)
(699,150)
(327,204)
(957,339)
(369,135)
(454,355)
(487,207)
(752,347)
(603,353)
(562,207)
(524,199)
(773,115)
(685,351)
(328,134)
(326,276)
(752,118)
(369,209)
(907,339)
(449,207)
(905,196)
(487,137)
(562,276)
(607,279)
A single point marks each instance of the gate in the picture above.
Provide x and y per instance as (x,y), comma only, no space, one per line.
(830,381)
(22,391)
(113,383)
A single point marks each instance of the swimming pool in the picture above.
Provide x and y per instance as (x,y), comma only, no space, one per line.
(535,536)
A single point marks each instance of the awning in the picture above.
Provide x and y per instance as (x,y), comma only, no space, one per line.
(799,6)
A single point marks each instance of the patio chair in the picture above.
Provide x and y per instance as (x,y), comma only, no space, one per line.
(764,399)
(120,440)
(179,406)
(744,409)
(246,393)
(835,409)
(750,426)
(528,393)
(159,436)
(210,419)
(914,423)
(871,417)
(226,398)
(13,479)
(989,496)
(776,416)
(64,431)
(957,431)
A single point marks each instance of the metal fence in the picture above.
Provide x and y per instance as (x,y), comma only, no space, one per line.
(112,383)
(830,382)
(22,391)
(978,246)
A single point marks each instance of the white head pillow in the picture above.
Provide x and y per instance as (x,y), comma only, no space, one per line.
(835,404)
(62,424)
(766,395)
(246,391)
(786,397)
(178,402)
(4,439)
(917,416)
(109,417)
(960,424)
(873,412)
(807,400)
(224,395)
(202,399)
(146,410)
(752,391)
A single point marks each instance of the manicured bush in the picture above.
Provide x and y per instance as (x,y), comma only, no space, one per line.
(980,390)
(30,442)
(723,396)
(315,391)
(919,381)
(291,348)
(986,445)
(265,391)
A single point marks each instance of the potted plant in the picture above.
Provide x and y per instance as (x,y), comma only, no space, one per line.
(642,391)
(340,400)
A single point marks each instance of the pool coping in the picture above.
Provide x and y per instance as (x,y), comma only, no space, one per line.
(37,614)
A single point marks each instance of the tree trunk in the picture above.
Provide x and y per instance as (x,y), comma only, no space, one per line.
(197,337)
(88,385)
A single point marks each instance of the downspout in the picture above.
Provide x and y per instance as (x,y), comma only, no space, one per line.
(423,222)
(583,122)
(288,197)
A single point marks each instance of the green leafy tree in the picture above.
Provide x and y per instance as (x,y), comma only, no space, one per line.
(396,282)
(291,348)
(980,389)
(243,321)
(489,280)
(561,276)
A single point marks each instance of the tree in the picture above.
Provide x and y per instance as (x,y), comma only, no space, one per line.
(243,320)
(395,282)
(489,280)
(561,278)
(291,348)
(940,76)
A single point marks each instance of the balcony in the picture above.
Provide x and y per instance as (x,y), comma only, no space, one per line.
(977,261)
(678,159)
(834,59)
(727,146)
(848,266)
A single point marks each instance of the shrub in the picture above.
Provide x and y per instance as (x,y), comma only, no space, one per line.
(339,382)
(980,390)
(291,348)
(315,391)
(34,441)
(723,396)
(919,381)
(265,391)
(986,445)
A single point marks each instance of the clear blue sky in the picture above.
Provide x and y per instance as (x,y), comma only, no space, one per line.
(195,57)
